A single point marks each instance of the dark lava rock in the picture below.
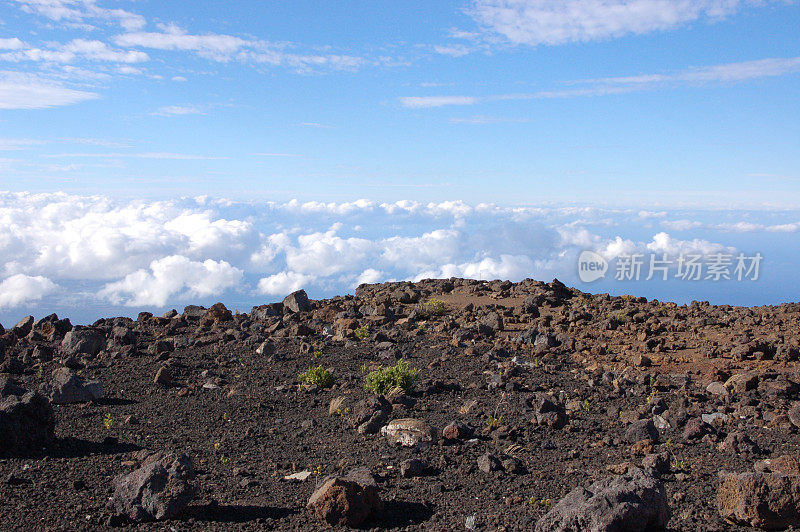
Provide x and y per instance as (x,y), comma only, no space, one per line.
(456,431)
(67,387)
(27,423)
(159,489)
(23,327)
(85,340)
(488,463)
(763,500)
(413,467)
(348,501)
(642,429)
(633,502)
(297,302)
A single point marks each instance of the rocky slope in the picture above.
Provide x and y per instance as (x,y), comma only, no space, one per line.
(520,406)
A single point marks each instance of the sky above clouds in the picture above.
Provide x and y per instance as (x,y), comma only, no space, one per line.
(156,153)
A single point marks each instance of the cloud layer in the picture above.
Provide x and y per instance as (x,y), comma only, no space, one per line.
(158,254)
(551,22)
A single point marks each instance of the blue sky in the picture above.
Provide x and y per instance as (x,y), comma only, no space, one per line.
(154,154)
(498,100)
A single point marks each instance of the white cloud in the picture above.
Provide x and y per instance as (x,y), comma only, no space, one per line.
(173,276)
(552,22)
(419,102)
(11,44)
(224,48)
(29,91)
(172,110)
(143,253)
(283,283)
(78,12)
(20,288)
(680,225)
(133,155)
(725,73)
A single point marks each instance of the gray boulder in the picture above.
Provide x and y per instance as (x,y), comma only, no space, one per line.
(67,387)
(23,327)
(633,502)
(82,341)
(27,422)
(297,302)
(160,489)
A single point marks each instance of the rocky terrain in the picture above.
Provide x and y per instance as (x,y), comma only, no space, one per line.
(439,405)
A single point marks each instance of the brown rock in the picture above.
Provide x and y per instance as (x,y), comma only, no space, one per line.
(347,501)
(762,500)
(163,376)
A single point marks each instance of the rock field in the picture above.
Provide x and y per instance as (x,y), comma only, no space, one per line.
(447,404)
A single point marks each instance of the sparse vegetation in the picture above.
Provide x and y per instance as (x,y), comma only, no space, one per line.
(433,307)
(318,376)
(386,379)
(108,421)
(362,332)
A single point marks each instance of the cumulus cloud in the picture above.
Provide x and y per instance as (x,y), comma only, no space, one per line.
(20,288)
(283,283)
(142,253)
(173,276)
(553,22)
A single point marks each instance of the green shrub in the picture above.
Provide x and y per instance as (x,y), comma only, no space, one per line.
(318,376)
(433,307)
(362,332)
(386,379)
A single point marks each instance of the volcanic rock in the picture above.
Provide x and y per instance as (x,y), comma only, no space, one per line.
(632,502)
(160,489)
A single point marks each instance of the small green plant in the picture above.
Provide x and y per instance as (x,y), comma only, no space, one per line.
(433,307)
(362,332)
(225,416)
(317,354)
(533,501)
(343,411)
(654,395)
(224,459)
(108,421)
(679,465)
(587,406)
(386,379)
(493,421)
(318,376)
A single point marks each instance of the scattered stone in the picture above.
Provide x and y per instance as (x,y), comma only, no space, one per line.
(643,429)
(786,465)
(160,489)
(297,302)
(27,424)
(412,467)
(632,502)
(489,463)
(762,500)
(23,327)
(300,476)
(347,501)
(67,387)
(163,376)
(410,433)
(456,431)
(87,341)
